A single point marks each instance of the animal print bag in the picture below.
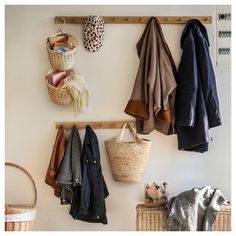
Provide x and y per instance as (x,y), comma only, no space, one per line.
(93,33)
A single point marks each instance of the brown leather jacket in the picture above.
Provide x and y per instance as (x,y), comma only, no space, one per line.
(56,160)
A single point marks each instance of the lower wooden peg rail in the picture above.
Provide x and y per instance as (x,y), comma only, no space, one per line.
(95,124)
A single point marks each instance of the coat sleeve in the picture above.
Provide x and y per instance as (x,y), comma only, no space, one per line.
(138,105)
(106,193)
(85,192)
(56,160)
(167,83)
(187,85)
(208,81)
(76,152)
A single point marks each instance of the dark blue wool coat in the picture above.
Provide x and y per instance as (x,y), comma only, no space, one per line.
(88,203)
(197,105)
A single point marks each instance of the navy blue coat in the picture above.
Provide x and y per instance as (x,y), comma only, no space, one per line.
(197,105)
(88,203)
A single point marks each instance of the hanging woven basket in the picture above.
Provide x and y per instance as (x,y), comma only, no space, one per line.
(63,60)
(20,217)
(128,159)
(60,96)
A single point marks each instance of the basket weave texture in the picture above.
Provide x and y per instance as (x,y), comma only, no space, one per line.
(18,211)
(60,96)
(19,226)
(155,218)
(128,159)
(63,60)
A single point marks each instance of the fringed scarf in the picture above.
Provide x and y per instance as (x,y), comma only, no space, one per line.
(79,91)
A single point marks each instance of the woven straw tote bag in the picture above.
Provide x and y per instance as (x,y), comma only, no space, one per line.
(59,96)
(128,159)
(20,217)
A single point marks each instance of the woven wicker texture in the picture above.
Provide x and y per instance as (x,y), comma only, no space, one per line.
(60,96)
(20,209)
(154,219)
(128,159)
(19,226)
(63,60)
(223,220)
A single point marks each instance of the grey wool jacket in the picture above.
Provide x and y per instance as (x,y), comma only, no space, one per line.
(70,174)
(153,97)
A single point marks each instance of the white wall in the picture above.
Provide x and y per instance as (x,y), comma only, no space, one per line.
(110,74)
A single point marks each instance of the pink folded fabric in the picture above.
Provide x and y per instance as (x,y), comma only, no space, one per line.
(55,78)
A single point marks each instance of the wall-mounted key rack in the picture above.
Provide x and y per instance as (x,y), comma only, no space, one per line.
(225,16)
(224,33)
(224,51)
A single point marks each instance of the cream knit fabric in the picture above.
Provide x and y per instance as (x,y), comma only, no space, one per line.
(79,91)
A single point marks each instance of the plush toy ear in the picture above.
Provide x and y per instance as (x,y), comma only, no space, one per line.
(165,186)
(162,188)
(157,187)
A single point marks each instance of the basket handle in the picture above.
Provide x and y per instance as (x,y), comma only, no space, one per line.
(59,25)
(31,178)
(129,126)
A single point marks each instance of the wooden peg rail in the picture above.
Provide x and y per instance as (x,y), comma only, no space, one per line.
(95,124)
(137,19)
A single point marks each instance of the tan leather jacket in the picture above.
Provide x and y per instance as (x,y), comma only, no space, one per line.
(56,160)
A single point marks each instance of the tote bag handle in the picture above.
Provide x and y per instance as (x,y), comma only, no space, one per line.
(134,134)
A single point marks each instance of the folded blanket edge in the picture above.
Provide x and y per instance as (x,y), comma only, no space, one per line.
(174,225)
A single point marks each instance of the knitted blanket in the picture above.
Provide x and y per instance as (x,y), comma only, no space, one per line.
(194,210)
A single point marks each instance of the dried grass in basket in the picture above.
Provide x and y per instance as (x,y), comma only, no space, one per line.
(128,159)
(20,217)
(63,60)
(60,96)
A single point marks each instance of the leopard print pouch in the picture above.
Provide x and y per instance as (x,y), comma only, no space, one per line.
(93,33)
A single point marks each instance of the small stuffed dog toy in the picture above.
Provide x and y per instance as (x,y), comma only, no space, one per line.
(156,195)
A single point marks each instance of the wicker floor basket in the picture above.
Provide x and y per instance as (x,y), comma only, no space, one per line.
(154,219)
(59,96)
(63,60)
(20,217)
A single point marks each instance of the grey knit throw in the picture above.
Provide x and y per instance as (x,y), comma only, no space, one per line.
(194,210)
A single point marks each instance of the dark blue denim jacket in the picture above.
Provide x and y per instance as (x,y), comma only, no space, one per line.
(197,105)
